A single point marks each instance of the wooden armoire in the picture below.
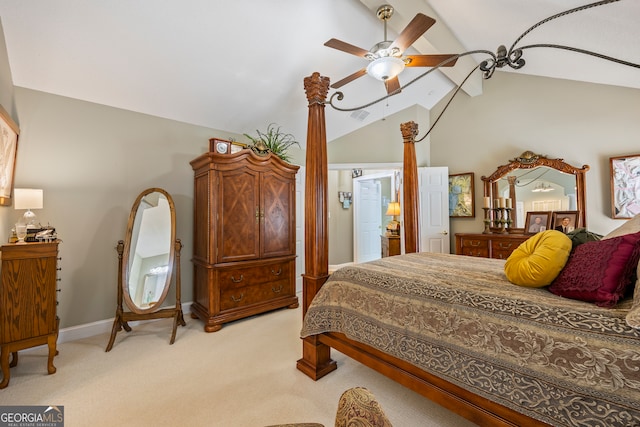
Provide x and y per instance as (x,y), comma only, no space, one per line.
(244,236)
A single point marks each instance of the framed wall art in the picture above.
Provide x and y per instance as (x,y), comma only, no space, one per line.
(9,132)
(625,186)
(537,221)
(461,195)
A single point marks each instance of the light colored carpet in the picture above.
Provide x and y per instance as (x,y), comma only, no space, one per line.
(244,375)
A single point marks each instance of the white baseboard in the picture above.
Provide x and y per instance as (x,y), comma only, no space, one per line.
(100,327)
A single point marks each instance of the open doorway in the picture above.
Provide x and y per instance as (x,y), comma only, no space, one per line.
(352,240)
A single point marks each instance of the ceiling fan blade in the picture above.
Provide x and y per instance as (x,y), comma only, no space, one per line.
(349,78)
(429,60)
(346,47)
(392,85)
(412,31)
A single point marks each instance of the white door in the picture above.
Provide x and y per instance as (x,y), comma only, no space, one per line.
(367,224)
(433,188)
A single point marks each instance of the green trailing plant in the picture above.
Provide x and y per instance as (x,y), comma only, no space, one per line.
(275,140)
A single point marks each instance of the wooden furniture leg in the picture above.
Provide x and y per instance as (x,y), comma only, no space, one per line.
(4,364)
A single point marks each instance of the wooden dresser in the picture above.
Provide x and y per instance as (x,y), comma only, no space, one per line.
(390,245)
(244,236)
(488,245)
(28,301)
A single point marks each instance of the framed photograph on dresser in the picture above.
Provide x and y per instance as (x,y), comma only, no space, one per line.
(537,221)
(9,132)
(461,195)
(625,186)
(565,221)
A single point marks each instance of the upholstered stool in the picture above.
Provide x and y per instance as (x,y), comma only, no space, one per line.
(357,408)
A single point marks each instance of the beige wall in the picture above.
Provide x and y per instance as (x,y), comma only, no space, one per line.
(92,161)
(7,102)
(381,141)
(340,223)
(582,123)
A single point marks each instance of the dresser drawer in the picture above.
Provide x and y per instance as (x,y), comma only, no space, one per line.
(474,243)
(239,277)
(491,245)
(502,249)
(252,294)
(474,247)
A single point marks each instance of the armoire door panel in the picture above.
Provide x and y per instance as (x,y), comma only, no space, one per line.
(278,228)
(239,216)
(203,244)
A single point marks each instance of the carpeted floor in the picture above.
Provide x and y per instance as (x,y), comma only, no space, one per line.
(243,375)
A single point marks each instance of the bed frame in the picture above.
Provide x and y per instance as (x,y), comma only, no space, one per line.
(316,359)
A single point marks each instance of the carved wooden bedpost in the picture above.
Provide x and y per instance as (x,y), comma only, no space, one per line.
(316,358)
(410,187)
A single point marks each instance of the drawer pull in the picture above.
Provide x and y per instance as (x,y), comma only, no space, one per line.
(505,245)
(475,242)
(234,299)
(276,273)
(277,291)
(234,280)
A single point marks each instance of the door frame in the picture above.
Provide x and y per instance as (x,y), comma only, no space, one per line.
(364,166)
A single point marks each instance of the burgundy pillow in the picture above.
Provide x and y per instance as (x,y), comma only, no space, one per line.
(599,271)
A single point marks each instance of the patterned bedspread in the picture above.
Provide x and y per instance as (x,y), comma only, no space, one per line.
(564,362)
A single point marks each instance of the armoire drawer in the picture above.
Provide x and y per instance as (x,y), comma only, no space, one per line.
(242,296)
(238,277)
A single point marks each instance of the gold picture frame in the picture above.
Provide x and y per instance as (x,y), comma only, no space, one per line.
(461,195)
(9,133)
(625,186)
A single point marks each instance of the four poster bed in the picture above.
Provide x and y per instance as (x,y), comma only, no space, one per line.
(455,329)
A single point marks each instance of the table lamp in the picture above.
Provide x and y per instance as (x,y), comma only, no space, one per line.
(393,210)
(28,198)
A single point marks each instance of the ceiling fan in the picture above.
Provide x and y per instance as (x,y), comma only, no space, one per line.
(387,59)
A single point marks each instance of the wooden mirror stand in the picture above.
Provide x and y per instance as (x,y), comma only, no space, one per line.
(146,263)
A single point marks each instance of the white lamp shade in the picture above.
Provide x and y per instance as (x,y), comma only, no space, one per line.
(385,68)
(28,198)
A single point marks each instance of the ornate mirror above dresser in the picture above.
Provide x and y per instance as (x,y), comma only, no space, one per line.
(536,183)
(146,261)
(529,183)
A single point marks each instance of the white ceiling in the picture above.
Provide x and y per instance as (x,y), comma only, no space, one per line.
(239,65)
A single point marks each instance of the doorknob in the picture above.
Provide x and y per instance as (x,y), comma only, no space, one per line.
(445,232)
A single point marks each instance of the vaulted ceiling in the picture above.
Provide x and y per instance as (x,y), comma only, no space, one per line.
(239,65)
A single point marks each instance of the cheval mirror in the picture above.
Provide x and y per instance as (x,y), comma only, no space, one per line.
(147,259)
(536,183)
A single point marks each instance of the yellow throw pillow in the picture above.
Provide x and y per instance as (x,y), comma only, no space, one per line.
(539,259)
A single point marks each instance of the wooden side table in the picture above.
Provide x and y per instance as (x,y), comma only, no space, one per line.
(390,245)
(27,302)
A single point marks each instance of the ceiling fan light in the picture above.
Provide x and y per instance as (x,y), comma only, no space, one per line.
(386,67)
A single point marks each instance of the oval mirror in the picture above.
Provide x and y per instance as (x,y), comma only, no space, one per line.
(149,251)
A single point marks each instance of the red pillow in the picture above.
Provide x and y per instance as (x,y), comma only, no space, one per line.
(600,271)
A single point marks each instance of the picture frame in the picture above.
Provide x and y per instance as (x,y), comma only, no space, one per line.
(461,195)
(9,133)
(572,221)
(223,146)
(625,186)
(533,226)
(238,146)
